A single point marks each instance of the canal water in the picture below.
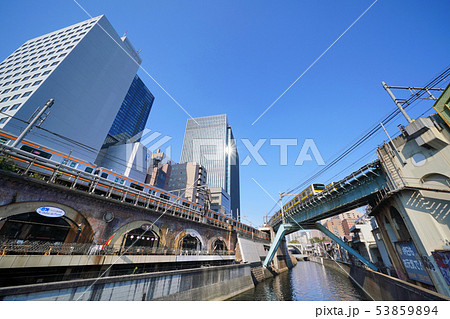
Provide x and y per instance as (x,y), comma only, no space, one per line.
(308,281)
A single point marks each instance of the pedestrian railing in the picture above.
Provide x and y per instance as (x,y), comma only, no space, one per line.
(31,247)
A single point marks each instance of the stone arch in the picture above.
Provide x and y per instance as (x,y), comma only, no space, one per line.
(80,230)
(435,180)
(121,232)
(188,232)
(212,244)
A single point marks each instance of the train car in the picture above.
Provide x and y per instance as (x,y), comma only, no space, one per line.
(331,187)
(100,179)
(311,190)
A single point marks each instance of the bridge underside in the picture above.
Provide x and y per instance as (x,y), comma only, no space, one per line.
(356,190)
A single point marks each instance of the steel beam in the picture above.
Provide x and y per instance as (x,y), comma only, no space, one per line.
(282,230)
(325,230)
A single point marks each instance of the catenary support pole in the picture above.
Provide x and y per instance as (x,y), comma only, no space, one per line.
(32,122)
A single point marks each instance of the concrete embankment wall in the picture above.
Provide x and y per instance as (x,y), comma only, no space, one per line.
(211,283)
(253,252)
(380,286)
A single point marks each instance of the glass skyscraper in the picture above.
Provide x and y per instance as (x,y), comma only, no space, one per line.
(134,112)
(209,141)
(87,68)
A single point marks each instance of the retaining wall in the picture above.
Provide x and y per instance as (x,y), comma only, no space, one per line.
(210,283)
(380,286)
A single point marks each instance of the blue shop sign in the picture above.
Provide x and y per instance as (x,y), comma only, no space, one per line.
(412,262)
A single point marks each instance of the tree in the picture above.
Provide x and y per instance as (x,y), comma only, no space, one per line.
(316,240)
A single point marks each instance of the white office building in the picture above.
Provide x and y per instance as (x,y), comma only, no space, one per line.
(87,68)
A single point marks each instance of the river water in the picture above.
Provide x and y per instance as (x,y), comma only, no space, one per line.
(308,281)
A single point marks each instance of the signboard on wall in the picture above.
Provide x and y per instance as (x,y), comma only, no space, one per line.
(442,259)
(50,211)
(412,262)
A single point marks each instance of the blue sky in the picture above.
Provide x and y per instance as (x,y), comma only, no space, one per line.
(237,57)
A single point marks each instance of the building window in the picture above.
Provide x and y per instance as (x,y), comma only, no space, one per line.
(54,63)
(35,76)
(3,120)
(34,69)
(6,91)
(52,58)
(42,61)
(37,83)
(25,72)
(15,97)
(16,88)
(69,47)
(5,99)
(46,72)
(15,106)
(62,55)
(4,109)
(44,66)
(26,94)
(26,85)
(25,78)
(7,83)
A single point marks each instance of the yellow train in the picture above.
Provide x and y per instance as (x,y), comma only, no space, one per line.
(311,190)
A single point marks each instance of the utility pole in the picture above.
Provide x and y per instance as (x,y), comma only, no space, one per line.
(32,122)
(282,207)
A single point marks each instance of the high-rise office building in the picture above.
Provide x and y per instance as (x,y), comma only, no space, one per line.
(209,141)
(86,68)
(134,112)
(188,180)
(122,150)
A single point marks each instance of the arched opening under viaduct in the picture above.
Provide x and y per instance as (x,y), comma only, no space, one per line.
(44,222)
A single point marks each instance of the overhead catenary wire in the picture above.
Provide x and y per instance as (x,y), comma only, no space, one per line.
(441,77)
(66,141)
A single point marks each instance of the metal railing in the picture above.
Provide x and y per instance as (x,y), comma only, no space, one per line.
(28,164)
(31,247)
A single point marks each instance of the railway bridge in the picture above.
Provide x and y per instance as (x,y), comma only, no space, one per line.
(60,230)
(407,190)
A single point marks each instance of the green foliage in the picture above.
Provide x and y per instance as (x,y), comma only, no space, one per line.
(316,240)
(294,242)
(7,164)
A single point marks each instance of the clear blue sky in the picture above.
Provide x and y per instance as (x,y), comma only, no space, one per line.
(237,57)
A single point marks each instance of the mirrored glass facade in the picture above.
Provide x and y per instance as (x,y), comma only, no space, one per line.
(209,141)
(135,109)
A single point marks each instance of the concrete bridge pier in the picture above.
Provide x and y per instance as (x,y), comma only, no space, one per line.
(414,226)
(278,257)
